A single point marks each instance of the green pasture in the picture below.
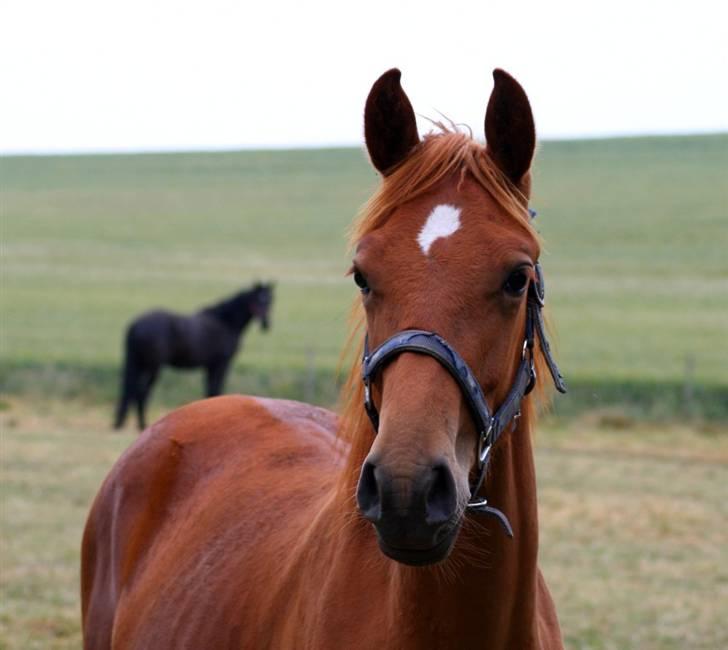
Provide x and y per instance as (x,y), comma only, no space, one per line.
(636,235)
(632,506)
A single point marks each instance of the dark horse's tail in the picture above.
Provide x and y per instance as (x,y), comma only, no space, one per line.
(128,383)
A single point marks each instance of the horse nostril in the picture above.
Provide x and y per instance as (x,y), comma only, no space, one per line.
(367,493)
(441,495)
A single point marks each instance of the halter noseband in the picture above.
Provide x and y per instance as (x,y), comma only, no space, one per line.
(489,425)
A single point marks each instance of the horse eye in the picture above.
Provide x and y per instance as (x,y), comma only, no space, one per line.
(361,282)
(516,283)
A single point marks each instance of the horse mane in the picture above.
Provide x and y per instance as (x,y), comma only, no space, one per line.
(438,156)
(229,310)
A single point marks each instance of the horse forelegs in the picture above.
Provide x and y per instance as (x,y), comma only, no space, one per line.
(121,410)
(215,379)
(128,390)
(144,388)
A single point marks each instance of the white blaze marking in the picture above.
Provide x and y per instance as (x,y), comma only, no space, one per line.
(443,221)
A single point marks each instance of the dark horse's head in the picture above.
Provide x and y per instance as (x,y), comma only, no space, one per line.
(261,298)
(238,310)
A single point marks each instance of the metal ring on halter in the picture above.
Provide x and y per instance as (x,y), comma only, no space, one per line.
(525,347)
(484,446)
(528,346)
(478,502)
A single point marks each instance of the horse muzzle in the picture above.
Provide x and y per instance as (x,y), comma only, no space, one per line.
(416,516)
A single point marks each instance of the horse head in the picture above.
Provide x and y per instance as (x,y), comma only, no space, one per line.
(446,247)
(261,299)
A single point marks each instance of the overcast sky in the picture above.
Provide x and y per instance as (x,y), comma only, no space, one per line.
(91,75)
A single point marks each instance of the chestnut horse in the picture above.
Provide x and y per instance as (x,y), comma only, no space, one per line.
(243,522)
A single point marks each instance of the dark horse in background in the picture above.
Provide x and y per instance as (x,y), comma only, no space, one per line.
(207,339)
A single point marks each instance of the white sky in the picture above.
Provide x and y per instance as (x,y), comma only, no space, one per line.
(78,75)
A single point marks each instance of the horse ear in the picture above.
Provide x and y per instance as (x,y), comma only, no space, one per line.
(509,129)
(390,127)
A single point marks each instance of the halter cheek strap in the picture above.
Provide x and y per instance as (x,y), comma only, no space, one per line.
(489,425)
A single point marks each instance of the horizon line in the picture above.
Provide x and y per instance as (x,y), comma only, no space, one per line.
(202,149)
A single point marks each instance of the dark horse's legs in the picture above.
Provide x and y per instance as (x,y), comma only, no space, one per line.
(128,390)
(215,378)
(136,385)
(144,388)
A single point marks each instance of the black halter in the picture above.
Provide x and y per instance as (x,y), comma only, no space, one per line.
(490,425)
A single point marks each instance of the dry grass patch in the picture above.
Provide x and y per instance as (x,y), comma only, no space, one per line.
(633,527)
(633,532)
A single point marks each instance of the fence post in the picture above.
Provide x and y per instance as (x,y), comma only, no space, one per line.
(689,385)
(309,385)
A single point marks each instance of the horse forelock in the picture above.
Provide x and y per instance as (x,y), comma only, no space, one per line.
(438,156)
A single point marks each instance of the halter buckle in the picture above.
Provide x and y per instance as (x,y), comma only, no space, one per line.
(527,347)
(539,289)
(484,446)
(531,380)
(478,503)
(369,406)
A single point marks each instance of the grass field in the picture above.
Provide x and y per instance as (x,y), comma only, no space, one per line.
(636,232)
(631,465)
(633,529)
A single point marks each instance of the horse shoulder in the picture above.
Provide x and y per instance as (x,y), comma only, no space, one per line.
(123,519)
(217,338)
(192,491)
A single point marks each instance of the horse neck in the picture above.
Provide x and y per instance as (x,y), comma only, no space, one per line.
(486,592)
(233,315)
